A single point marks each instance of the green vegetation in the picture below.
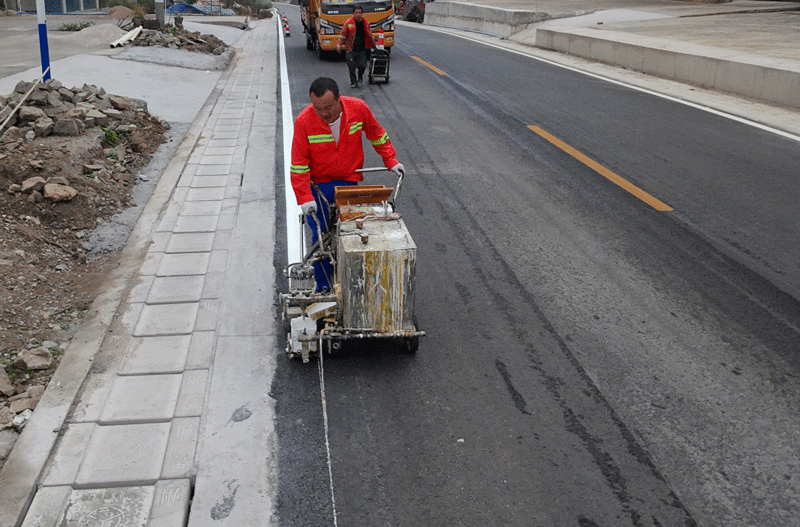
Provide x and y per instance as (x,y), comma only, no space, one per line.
(113,138)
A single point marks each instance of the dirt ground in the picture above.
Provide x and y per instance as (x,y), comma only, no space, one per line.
(47,278)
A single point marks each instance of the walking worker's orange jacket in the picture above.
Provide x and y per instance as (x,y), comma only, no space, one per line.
(348,34)
(316,155)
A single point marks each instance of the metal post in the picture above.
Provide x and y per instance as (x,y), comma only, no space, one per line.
(44,51)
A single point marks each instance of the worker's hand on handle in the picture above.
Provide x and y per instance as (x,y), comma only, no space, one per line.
(309,207)
(399,170)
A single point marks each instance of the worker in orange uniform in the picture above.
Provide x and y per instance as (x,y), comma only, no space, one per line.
(356,39)
(327,151)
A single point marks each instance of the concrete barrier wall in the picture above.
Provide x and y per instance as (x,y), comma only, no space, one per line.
(770,80)
(491,20)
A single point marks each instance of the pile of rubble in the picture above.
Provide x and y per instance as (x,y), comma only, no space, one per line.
(181,39)
(51,109)
(69,159)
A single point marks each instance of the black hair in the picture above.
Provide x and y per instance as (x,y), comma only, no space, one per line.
(322,85)
(358,7)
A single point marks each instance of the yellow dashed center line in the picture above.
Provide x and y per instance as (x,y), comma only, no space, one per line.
(431,66)
(603,171)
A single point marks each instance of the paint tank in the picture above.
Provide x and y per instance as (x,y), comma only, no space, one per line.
(376,270)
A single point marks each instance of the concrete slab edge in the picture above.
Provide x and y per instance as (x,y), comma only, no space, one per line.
(485,19)
(27,460)
(770,80)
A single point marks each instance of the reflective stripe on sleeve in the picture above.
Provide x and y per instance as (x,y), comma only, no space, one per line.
(382,140)
(300,169)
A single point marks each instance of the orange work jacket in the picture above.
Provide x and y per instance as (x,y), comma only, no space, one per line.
(317,157)
(348,34)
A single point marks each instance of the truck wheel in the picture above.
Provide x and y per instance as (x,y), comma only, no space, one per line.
(321,53)
(309,42)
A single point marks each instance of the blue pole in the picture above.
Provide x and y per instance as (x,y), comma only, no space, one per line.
(44,51)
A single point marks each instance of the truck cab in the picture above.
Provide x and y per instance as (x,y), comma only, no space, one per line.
(323,20)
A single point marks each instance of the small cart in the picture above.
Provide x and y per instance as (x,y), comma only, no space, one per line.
(379,66)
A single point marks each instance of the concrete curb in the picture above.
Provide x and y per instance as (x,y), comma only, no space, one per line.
(771,80)
(492,20)
(27,460)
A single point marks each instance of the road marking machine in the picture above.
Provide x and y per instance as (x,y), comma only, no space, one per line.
(374,270)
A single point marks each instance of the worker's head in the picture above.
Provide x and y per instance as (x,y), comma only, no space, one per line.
(324,94)
(358,12)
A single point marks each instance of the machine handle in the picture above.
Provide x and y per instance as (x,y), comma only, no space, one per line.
(393,197)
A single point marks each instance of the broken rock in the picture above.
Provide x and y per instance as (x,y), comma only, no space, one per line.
(32,184)
(6,387)
(12,135)
(58,193)
(66,127)
(34,359)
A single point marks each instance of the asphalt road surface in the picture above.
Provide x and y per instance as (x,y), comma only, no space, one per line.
(592,358)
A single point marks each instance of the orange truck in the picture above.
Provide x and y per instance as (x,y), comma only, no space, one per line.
(323,20)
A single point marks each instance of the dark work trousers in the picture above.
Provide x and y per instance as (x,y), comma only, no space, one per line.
(323,270)
(356,59)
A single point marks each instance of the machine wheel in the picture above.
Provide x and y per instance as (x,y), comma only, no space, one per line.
(309,42)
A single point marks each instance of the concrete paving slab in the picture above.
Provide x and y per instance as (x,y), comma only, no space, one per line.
(192,394)
(125,506)
(226,222)
(205,194)
(208,314)
(140,288)
(63,466)
(180,458)
(219,143)
(141,399)
(194,242)
(167,222)
(213,170)
(225,135)
(196,223)
(160,239)
(208,181)
(166,319)
(201,350)
(150,355)
(176,289)
(171,504)
(220,159)
(47,507)
(182,264)
(217,153)
(201,208)
(152,260)
(93,397)
(124,455)
(214,286)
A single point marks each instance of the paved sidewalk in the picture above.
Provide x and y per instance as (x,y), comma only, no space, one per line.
(177,387)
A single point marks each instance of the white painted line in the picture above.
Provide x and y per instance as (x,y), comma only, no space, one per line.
(325,421)
(294,252)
